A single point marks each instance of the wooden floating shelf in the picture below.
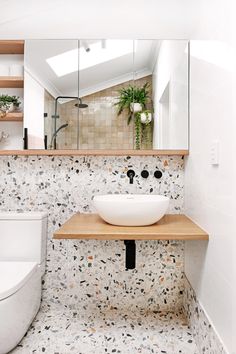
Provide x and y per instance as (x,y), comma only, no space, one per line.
(12,47)
(11,82)
(91,226)
(95,152)
(12,117)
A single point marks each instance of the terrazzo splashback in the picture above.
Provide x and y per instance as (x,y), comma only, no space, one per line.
(90,274)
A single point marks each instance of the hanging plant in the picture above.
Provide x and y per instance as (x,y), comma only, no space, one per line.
(138,131)
(146,117)
(132,99)
(145,128)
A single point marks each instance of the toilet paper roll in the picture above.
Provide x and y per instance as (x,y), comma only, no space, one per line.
(16,70)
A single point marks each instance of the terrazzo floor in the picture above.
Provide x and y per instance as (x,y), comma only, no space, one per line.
(108,332)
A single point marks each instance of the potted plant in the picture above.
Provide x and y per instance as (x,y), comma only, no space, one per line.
(143,129)
(133,99)
(9,103)
(145,117)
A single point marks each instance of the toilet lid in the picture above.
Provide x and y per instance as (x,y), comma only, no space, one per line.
(13,275)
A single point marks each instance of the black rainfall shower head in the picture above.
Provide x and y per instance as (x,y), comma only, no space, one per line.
(81,104)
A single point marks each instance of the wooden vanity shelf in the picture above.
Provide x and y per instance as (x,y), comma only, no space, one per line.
(12,117)
(91,226)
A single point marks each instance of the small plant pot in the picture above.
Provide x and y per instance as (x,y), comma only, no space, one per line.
(145,118)
(135,107)
(11,107)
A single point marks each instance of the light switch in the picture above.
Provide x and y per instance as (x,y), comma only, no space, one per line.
(214,153)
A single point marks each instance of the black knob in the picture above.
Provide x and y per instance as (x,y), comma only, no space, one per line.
(145,174)
(158,174)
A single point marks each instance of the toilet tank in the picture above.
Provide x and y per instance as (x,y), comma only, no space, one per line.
(23,237)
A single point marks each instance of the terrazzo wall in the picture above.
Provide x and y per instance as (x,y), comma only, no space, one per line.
(204,334)
(84,274)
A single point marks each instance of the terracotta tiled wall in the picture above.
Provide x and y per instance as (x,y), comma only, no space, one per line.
(96,127)
(99,125)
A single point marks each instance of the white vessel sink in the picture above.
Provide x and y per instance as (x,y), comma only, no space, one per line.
(131,209)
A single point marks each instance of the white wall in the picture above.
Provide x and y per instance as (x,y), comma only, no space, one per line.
(170,86)
(210,190)
(14,130)
(34,112)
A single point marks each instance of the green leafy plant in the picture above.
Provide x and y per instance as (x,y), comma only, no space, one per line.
(6,101)
(129,95)
(143,130)
(138,132)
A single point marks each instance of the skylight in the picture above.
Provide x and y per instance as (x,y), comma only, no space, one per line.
(100,52)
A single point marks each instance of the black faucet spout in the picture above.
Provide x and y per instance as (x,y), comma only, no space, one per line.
(131,174)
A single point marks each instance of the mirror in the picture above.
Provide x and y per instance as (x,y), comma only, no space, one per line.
(102,94)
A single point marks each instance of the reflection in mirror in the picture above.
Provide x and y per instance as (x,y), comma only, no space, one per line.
(51,94)
(163,66)
(98,94)
(11,94)
(137,94)
(170,95)
(105,67)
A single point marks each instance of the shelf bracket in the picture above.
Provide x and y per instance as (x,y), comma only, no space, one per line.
(130,254)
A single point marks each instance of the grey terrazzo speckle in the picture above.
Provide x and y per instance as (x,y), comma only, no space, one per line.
(108,332)
(88,276)
(204,335)
(79,271)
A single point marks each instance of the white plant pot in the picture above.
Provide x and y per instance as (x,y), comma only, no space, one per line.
(11,107)
(135,107)
(145,118)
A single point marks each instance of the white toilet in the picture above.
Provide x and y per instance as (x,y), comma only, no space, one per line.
(22,264)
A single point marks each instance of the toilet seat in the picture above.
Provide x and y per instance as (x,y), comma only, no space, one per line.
(14,275)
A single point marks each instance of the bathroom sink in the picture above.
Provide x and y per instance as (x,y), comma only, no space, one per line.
(131,209)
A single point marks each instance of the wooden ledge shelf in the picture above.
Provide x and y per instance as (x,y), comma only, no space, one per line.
(95,152)
(11,82)
(91,226)
(12,47)
(12,117)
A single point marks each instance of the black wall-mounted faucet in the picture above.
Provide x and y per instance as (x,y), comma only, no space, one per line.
(131,174)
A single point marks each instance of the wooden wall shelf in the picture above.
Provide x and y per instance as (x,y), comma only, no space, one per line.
(12,117)
(11,47)
(11,82)
(95,152)
(91,226)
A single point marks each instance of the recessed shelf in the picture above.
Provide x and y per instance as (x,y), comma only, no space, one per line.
(11,82)
(11,47)
(12,117)
(91,226)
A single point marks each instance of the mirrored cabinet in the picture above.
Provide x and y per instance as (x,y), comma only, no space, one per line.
(94,95)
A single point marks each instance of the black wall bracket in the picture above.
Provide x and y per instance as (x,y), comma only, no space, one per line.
(130,254)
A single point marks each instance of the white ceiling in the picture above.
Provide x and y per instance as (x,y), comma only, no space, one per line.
(94,78)
(99,19)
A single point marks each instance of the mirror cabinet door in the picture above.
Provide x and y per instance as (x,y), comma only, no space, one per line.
(105,78)
(51,93)
(170,95)
(95,94)
(11,94)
